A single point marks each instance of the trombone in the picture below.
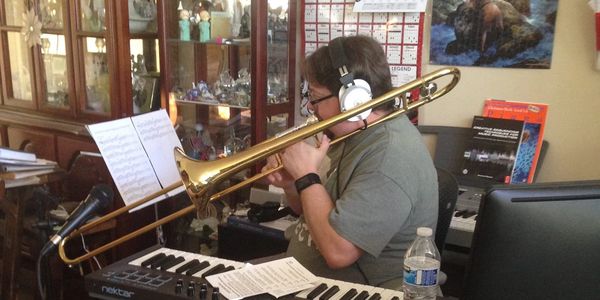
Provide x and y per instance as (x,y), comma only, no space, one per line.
(201,178)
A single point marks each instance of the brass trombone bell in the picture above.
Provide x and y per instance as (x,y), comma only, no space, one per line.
(201,178)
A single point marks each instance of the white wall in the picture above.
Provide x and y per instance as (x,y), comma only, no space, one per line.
(571,87)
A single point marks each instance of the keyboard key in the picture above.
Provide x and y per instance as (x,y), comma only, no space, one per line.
(317,291)
(153,259)
(330,292)
(349,294)
(190,264)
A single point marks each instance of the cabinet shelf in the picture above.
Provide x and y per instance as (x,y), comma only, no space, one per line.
(211,104)
(224,42)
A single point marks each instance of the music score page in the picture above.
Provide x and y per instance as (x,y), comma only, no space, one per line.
(278,278)
(138,152)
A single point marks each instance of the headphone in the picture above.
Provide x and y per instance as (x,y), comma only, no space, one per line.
(353,92)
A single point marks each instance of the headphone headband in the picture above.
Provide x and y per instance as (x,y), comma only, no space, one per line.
(352,92)
(339,61)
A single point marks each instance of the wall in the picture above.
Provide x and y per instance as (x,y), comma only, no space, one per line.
(571,87)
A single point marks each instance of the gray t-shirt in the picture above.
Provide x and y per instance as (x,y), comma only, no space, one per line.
(385,186)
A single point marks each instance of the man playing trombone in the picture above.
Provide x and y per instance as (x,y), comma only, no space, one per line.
(357,224)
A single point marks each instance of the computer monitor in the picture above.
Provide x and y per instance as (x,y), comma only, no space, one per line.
(538,241)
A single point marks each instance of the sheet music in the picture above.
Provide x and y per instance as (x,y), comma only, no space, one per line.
(278,278)
(159,140)
(128,156)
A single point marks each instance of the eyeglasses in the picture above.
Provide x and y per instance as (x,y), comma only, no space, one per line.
(315,101)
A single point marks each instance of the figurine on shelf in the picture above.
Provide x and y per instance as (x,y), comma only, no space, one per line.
(245,23)
(236,20)
(205,93)
(184,25)
(201,145)
(204,26)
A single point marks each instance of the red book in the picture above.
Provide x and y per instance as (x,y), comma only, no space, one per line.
(534,116)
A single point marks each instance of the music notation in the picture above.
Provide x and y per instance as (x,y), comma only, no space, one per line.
(138,152)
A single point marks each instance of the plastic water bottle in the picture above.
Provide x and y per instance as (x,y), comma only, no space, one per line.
(421,267)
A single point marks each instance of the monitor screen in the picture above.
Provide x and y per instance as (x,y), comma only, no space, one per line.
(538,241)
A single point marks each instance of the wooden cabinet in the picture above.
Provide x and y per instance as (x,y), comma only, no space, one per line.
(79,60)
(229,72)
(68,63)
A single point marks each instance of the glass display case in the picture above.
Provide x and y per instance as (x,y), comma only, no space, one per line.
(229,72)
(58,54)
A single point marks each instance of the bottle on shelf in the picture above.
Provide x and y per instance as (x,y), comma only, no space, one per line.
(421,267)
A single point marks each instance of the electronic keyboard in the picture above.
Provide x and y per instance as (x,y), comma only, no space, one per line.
(165,274)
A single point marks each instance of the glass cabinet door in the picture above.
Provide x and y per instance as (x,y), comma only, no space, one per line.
(208,76)
(280,55)
(94,55)
(144,56)
(55,79)
(20,30)
(219,99)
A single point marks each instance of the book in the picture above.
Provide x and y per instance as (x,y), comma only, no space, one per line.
(55,175)
(7,153)
(37,162)
(138,152)
(11,183)
(534,116)
(23,174)
(493,148)
(18,168)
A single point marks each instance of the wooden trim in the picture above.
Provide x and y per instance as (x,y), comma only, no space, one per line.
(123,63)
(165,81)
(258,38)
(28,120)
(291,106)
(279,108)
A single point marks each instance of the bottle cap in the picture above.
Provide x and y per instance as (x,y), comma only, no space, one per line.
(424,231)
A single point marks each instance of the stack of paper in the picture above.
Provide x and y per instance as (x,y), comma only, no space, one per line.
(19,168)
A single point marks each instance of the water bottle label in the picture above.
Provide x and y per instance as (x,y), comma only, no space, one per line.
(420,277)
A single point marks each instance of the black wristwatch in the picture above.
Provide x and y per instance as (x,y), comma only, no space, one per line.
(306,181)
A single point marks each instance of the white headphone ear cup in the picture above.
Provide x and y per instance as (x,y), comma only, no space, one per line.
(354,96)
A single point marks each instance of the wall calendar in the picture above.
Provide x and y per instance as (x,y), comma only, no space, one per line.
(400,33)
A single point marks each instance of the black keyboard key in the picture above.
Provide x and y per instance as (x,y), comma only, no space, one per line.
(395,298)
(362,296)
(176,261)
(318,290)
(349,294)
(190,264)
(330,292)
(157,263)
(375,296)
(214,270)
(197,268)
(152,259)
(166,262)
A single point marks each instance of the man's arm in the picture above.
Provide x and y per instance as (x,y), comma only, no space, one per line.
(317,205)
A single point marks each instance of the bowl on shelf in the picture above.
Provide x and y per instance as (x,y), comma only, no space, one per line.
(138,24)
(140,14)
